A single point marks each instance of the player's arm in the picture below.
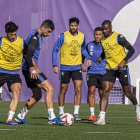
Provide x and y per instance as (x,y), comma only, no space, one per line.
(25,49)
(123,42)
(102,56)
(83,67)
(55,51)
(85,53)
(0,40)
(33,42)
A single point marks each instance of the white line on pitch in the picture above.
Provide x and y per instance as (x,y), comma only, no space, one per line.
(104,132)
(115,117)
(6,129)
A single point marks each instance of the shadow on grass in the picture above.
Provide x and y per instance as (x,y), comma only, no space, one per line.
(2,122)
(42,118)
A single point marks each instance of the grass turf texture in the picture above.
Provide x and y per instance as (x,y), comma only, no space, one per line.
(120,119)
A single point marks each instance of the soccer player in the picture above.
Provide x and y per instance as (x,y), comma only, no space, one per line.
(72,46)
(114,45)
(12,48)
(96,71)
(34,78)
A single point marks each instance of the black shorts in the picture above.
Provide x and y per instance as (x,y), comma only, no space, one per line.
(123,76)
(10,79)
(65,76)
(32,83)
(94,80)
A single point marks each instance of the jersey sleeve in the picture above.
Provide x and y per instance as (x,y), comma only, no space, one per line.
(123,42)
(56,49)
(33,42)
(84,50)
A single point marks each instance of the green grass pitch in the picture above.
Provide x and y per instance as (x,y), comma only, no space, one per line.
(121,125)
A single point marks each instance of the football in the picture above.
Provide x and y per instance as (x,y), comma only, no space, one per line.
(67,119)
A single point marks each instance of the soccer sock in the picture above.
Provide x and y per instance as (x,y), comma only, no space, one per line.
(92,110)
(137,107)
(61,110)
(76,109)
(102,115)
(10,115)
(51,113)
(23,113)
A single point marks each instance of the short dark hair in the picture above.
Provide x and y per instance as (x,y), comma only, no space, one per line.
(98,29)
(106,22)
(74,19)
(10,27)
(48,24)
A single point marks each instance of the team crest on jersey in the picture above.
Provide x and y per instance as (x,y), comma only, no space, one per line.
(91,53)
(74,45)
(91,48)
(62,73)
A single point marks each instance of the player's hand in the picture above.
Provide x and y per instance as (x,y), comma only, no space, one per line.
(56,69)
(83,67)
(36,67)
(33,73)
(89,63)
(99,59)
(121,65)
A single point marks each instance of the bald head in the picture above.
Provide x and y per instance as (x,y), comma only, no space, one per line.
(107,28)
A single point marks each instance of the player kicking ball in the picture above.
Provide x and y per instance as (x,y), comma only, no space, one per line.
(34,78)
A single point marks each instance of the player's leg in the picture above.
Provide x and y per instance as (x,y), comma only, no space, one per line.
(92,83)
(37,94)
(129,94)
(124,78)
(48,88)
(14,85)
(91,100)
(77,98)
(64,82)
(100,88)
(77,81)
(32,84)
(107,84)
(29,104)
(100,92)
(61,97)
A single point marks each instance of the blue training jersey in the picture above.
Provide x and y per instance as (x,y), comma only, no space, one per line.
(95,51)
(37,49)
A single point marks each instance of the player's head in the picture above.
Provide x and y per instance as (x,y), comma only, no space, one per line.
(107,28)
(98,33)
(47,27)
(73,24)
(11,31)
